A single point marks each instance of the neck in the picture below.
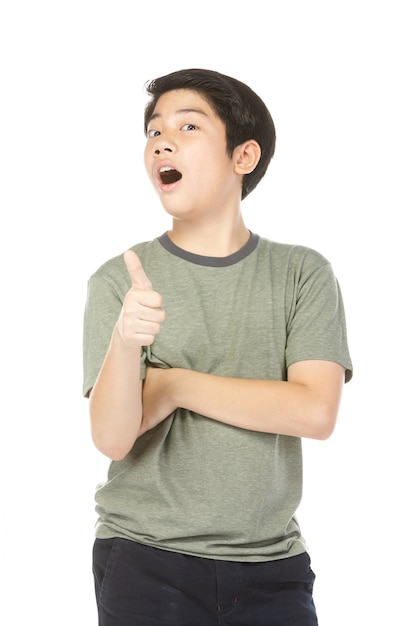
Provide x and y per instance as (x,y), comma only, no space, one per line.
(217,240)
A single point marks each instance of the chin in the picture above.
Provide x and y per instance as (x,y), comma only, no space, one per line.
(176,209)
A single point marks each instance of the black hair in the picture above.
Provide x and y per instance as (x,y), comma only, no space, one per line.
(243,112)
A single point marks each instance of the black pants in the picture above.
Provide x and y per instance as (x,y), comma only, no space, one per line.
(138,585)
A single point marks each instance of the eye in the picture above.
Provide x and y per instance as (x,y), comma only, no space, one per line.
(189,127)
(153,133)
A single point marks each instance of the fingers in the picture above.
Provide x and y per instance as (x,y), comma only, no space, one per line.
(142,314)
(136,271)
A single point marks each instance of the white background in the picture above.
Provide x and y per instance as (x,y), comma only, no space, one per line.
(340,81)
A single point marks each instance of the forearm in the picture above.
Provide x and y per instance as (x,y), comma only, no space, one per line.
(116,400)
(281,407)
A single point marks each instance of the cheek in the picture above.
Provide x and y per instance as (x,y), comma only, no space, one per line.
(148,162)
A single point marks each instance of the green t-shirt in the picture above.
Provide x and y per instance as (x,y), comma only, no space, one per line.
(192,484)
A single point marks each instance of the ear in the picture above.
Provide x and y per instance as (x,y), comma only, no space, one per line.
(246,156)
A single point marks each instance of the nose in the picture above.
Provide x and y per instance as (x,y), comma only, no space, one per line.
(164,144)
(158,151)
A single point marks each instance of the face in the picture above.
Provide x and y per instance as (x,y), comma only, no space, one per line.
(186,158)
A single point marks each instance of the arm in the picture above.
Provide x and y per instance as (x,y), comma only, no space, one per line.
(116,398)
(304,406)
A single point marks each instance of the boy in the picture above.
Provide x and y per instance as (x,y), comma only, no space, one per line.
(209,353)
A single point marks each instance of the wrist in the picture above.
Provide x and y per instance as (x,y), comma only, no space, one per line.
(120,343)
(124,351)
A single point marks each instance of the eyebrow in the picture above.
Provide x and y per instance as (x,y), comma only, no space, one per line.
(180,111)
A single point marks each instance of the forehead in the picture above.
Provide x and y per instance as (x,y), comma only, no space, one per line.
(182,101)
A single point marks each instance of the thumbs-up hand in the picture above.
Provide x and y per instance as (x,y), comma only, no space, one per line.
(142,314)
(136,271)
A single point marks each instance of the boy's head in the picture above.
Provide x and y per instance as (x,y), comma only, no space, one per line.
(242,111)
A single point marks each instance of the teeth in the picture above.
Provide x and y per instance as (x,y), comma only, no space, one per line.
(166,168)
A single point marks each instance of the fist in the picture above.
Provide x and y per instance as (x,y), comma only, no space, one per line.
(142,313)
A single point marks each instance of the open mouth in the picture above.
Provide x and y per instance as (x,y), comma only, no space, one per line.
(169,175)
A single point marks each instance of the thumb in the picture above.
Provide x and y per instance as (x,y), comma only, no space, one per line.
(136,271)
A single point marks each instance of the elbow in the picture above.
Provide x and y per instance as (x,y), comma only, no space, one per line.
(114,450)
(111,435)
(324,431)
(117,454)
(323,424)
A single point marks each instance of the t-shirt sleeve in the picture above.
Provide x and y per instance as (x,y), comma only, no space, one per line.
(103,305)
(317,323)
